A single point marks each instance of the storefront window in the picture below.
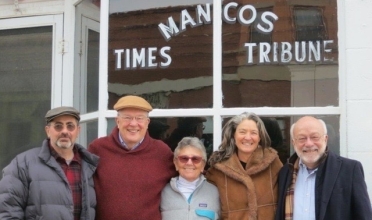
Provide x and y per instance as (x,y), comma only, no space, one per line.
(275,55)
(25,88)
(162,52)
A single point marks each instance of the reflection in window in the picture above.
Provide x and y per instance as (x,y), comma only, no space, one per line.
(309,24)
(170,74)
(25,88)
(92,130)
(277,129)
(158,128)
(257,36)
(185,127)
(88,132)
(278,82)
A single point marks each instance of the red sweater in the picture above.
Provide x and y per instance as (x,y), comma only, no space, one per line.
(128,184)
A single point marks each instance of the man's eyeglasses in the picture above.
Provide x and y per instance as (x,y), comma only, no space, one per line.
(59,127)
(194,159)
(303,139)
(128,119)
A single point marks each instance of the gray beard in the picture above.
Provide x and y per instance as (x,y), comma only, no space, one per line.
(64,145)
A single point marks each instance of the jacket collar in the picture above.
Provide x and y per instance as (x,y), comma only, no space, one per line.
(173,182)
(90,158)
(294,157)
(261,158)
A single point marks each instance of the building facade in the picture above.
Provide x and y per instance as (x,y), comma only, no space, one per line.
(204,59)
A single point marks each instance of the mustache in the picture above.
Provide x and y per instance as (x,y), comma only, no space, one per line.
(64,135)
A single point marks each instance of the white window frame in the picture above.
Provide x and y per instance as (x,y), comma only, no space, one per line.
(81,73)
(87,18)
(84,24)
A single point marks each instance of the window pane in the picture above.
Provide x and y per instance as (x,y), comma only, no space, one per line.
(25,88)
(283,72)
(92,71)
(309,24)
(170,69)
(88,132)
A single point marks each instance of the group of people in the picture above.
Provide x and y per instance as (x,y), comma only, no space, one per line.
(130,175)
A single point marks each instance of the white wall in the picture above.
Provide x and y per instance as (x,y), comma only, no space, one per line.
(13,9)
(355,31)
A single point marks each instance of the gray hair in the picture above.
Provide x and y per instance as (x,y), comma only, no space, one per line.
(192,142)
(321,122)
(228,147)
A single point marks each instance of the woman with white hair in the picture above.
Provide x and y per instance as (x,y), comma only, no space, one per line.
(189,196)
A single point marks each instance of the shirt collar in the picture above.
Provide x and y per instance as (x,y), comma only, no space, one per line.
(125,145)
(303,166)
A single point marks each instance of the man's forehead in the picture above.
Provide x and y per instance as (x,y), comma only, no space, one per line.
(307,132)
(133,110)
(309,126)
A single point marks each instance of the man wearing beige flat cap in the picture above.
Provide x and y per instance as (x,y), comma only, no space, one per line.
(134,168)
(54,181)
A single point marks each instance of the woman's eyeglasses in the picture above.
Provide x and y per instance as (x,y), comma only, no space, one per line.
(194,159)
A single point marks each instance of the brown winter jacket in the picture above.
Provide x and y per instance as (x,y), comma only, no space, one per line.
(250,193)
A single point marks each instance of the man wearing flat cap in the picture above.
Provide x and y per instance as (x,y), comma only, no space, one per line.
(54,181)
(186,127)
(134,168)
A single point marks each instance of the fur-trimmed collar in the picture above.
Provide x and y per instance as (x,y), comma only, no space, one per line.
(261,158)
